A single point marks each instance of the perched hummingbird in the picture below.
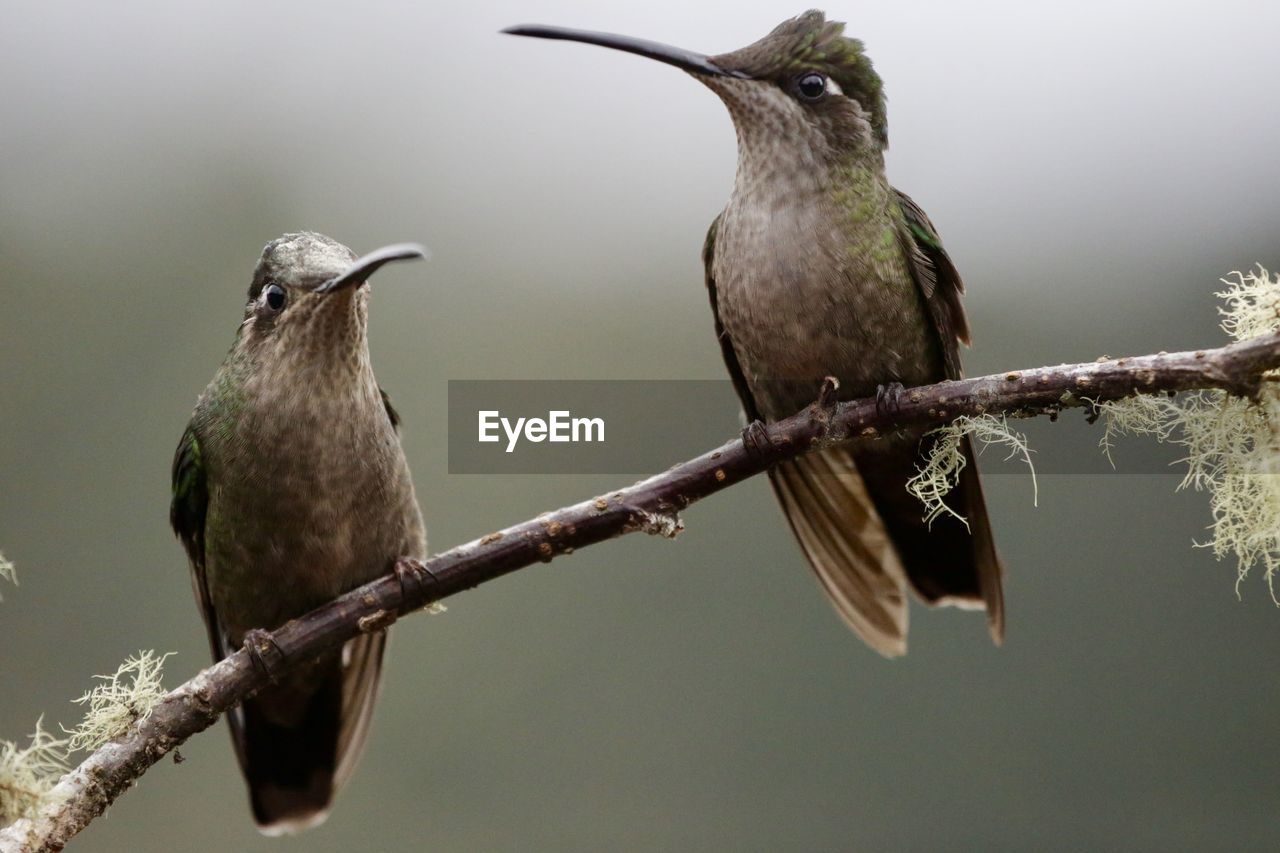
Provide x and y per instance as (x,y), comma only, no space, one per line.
(289,488)
(817,267)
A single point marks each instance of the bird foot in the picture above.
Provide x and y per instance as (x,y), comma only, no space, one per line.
(263,651)
(827,395)
(755,438)
(822,411)
(417,584)
(889,399)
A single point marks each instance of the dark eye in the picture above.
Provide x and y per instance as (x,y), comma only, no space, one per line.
(274,297)
(811,86)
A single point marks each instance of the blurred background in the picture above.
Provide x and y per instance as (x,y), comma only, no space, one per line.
(1094,168)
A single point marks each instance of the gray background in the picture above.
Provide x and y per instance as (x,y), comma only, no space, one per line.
(1094,168)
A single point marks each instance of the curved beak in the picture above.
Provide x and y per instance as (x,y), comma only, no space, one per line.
(358,273)
(694,63)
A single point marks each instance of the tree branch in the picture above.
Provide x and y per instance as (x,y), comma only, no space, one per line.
(651,506)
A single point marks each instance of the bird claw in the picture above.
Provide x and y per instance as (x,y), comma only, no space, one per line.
(822,411)
(755,438)
(417,584)
(263,652)
(889,399)
(827,400)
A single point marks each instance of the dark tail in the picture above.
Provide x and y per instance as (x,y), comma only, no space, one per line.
(866,539)
(947,562)
(298,741)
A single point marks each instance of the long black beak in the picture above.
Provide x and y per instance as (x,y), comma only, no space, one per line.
(358,273)
(695,63)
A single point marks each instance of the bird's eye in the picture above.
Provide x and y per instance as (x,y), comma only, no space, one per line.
(273,296)
(811,86)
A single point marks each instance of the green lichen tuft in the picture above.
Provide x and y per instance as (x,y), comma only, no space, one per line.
(29,774)
(940,471)
(7,572)
(1231,445)
(120,700)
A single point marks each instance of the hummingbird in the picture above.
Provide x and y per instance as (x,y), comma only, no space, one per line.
(818,267)
(290,487)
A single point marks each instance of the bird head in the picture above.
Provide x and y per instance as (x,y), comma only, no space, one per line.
(805,84)
(308,301)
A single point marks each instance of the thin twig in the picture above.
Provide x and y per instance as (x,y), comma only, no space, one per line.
(651,506)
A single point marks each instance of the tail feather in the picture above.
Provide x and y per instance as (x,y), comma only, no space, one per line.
(985,558)
(363,666)
(866,539)
(949,562)
(299,741)
(841,533)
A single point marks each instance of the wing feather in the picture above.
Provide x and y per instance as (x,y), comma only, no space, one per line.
(938,280)
(940,286)
(187,511)
(726,343)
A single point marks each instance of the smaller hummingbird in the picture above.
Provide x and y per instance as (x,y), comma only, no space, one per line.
(290,488)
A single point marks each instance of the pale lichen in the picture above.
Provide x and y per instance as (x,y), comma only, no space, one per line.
(940,471)
(119,700)
(7,572)
(28,774)
(1253,304)
(1231,445)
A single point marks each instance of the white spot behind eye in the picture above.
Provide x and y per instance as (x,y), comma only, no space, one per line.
(833,88)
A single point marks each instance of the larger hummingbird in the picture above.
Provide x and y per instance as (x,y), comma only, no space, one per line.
(818,266)
(289,488)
